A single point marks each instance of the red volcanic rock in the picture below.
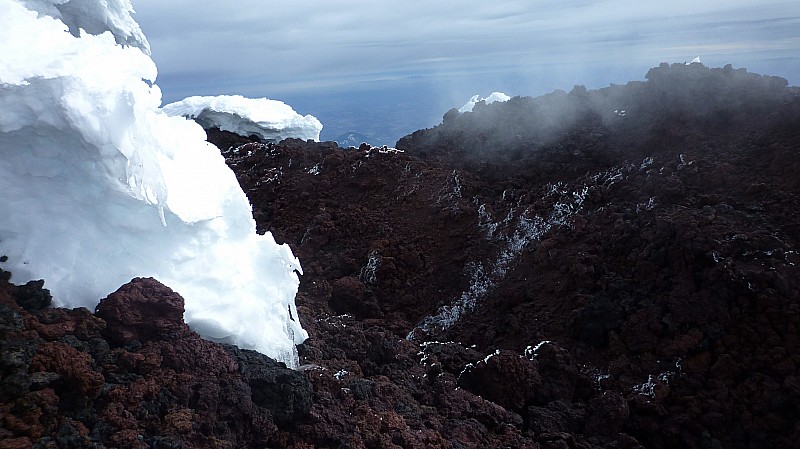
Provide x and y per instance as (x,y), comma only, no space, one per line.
(608,414)
(16,443)
(53,324)
(144,309)
(71,367)
(504,378)
(154,383)
(348,296)
(562,377)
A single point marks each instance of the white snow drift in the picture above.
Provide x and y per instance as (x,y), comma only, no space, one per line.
(99,185)
(495,96)
(270,120)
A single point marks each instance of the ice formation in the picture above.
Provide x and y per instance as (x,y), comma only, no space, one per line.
(99,185)
(270,120)
(495,96)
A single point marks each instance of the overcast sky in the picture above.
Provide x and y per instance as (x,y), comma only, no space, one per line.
(333,49)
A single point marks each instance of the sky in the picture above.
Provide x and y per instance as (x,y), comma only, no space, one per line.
(388,68)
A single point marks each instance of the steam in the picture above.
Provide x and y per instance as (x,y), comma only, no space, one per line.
(522,125)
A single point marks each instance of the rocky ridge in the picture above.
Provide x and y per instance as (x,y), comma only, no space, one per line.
(611,268)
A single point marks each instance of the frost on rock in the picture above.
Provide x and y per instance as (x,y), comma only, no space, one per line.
(369,272)
(646,388)
(315,170)
(451,189)
(100,186)
(270,120)
(517,231)
(526,230)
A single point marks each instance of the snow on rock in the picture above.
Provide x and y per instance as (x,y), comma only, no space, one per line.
(100,186)
(270,120)
(495,96)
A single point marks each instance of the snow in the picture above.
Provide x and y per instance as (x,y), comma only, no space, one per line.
(495,96)
(530,351)
(270,120)
(484,278)
(94,17)
(100,186)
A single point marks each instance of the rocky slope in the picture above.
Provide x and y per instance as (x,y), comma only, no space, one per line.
(611,268)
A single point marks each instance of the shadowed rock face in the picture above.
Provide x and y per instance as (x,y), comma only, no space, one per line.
(598,269)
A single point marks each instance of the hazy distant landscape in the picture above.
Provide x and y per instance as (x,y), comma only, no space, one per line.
(387,69)
(388,110)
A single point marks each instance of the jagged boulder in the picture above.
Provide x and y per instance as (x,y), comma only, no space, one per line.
(143,310)
(504,378)
(135,376)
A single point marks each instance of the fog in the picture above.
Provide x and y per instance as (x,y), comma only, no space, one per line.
(584,131)
(387,68)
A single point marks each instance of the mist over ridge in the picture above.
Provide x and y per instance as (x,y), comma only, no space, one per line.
(385,70)
(693,94)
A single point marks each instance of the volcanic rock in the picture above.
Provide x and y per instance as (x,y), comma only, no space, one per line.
(646,230)
(134,375)
(142,310)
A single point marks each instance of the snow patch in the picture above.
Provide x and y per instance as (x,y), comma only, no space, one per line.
(270,120)
(646,389)
(315,170)
(530,351)
(495,96)
(369,272)
(493,354)
(451,190)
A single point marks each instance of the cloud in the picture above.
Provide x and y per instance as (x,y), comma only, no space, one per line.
(315,44)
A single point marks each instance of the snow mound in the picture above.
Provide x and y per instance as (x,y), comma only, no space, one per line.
(495,96)
(100,186)
(94,17)
(270,120)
